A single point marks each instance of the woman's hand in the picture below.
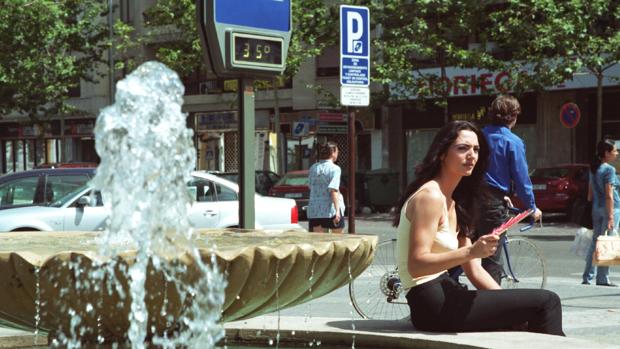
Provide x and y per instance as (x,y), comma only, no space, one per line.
(485,246)
(337,218)
(610,224)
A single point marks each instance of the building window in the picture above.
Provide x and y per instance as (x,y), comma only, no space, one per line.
(74,91)
(327,64)
(126,13)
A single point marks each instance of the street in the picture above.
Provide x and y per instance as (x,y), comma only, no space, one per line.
(589,312)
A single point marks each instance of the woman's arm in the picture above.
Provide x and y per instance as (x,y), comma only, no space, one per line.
(335,196)
(334,192)
(609,206)
(425,212)
(589,191)
(478,276)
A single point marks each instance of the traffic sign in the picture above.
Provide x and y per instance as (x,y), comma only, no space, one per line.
(245,38)
(300,129)
(354,45)
(570,115)
(354,96)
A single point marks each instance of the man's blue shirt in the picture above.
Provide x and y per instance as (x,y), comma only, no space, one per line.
(507,163)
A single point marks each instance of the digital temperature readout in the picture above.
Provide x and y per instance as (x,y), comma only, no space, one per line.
(256,50)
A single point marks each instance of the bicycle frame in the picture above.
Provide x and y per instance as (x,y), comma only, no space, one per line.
(508,264)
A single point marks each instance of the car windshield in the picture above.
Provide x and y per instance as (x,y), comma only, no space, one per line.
(233,177)
(296,179)
(550,172)
(63,200)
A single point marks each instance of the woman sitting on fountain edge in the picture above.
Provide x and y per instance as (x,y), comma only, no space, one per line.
(435,223)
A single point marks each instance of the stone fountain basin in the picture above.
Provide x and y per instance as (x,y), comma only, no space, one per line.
(265,272)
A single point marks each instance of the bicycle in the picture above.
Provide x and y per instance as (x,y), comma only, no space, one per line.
(377,293)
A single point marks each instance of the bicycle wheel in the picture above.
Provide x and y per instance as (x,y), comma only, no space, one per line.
(376,293)
(529,269)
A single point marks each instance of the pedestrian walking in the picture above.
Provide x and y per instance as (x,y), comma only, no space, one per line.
(435,220)
(603,192)
(507,169)
(326,205)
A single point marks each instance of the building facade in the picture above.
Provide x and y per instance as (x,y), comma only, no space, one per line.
(393,136)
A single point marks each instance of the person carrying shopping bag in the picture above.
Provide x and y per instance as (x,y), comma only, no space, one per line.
(603,192)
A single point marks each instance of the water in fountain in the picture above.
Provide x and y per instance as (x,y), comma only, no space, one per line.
(147,154)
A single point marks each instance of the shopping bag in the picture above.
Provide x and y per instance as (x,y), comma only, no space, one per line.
(607,250)
(581,244)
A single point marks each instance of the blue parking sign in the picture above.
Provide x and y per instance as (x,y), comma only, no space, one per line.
(354,45)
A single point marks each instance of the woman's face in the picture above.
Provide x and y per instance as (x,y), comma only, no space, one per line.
(462,155)
(611,155)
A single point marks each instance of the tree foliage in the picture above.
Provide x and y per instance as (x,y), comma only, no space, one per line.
(314,28)
(413,35)
(47,47)
(557,39)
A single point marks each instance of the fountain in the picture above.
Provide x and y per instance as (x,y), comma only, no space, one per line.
(150,277)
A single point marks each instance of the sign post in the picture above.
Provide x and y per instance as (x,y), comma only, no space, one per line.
(354,80)
(244,40)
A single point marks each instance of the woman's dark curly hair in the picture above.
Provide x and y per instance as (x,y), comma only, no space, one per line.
(470,191)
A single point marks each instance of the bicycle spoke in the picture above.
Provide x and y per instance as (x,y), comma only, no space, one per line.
(527,265)
(367,290)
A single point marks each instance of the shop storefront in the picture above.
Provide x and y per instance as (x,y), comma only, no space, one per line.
(23,146)
(303,130)
(217,141)
(412,124)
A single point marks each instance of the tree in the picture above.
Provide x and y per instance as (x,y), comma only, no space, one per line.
(47,47)
(413,35)
(313,30)
(556,39)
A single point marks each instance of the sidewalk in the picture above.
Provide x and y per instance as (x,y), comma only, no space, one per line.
(384,334)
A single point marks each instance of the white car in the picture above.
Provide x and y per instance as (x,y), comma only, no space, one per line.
(215,205)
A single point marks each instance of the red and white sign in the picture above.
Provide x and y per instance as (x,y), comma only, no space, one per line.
(570,115)
(337,117)
(473,81)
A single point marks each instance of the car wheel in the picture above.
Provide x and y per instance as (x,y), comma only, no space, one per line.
(25,229)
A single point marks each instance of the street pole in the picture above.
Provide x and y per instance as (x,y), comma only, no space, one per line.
(111,51)
(276,122)
(351,184)
(246,160)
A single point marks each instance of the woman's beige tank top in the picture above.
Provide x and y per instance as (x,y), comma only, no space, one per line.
(445,240)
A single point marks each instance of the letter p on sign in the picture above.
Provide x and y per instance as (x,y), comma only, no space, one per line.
(354,30)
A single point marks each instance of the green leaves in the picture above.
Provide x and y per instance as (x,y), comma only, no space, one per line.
(563,36)
(47,46)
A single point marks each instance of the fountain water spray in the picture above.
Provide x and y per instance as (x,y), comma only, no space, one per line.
(147,154)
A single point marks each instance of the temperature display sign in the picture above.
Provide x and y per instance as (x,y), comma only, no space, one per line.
(254,50)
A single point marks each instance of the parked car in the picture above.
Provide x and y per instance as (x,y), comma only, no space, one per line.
(40,187)
(557,188)
(215,205)
(264,180)
(294,185)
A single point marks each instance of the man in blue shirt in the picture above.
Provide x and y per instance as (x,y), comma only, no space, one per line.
(507,169)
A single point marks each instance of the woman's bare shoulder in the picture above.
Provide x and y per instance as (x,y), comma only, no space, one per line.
(428,197)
